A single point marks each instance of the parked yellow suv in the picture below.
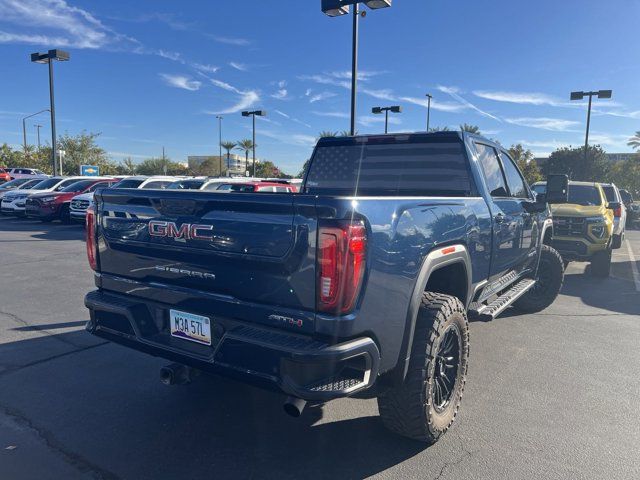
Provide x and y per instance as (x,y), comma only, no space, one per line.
(583,227)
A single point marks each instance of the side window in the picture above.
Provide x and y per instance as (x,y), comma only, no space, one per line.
(282,189)
(492,171)
(517,186)
(95,186)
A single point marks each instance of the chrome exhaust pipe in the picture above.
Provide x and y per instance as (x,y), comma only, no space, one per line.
(294,406)
(176,374)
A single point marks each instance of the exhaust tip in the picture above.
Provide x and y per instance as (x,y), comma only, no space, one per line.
(294,406)
(166,376)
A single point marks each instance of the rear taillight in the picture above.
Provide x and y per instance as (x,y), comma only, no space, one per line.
(341,265)
(92,248)
(617,212)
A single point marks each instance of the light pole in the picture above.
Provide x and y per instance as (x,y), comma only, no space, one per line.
(429,97)
(38,127)
(48,57)
(580,96)
(24,129)
(61,154)
(260,113)
(386,110)
(335,8)
(219,117)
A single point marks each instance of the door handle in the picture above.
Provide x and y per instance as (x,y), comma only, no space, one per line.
(499,218)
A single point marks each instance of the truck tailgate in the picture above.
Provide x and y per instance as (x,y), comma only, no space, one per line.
(250,247)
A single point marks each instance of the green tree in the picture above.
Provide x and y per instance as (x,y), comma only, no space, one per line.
(209,168)
(305,167)
(82,149)
(627,175)
(128,167)
(465,127)
(246,146)
(439,129)
(634,141)
(267,169)
(161,166)
(526,163)
(572,162)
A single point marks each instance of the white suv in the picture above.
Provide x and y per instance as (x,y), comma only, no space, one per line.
(13,203)
(16,173)
(619,212)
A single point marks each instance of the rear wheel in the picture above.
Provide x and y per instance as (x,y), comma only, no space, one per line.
(65,216)
(601,264)
(616,242)
(425,405)
(548,283)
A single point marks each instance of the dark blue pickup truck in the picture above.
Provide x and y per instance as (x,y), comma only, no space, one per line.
(359,285)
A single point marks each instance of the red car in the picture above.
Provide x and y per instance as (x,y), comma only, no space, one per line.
(55,205)
(264,187)
(4,175)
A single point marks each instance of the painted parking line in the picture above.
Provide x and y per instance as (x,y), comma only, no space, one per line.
(634,267)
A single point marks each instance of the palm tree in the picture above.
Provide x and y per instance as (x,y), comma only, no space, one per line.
(470,128)
(327,133)
(634,141)
(439,129)
(228,146)
(246,146)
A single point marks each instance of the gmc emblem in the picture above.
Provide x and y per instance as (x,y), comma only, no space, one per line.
(187,231)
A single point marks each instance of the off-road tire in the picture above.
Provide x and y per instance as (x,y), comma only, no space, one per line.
(601,264)
(65,214)
(548,283)
(407,409)
(616,242)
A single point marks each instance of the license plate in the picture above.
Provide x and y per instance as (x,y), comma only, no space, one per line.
(189,326)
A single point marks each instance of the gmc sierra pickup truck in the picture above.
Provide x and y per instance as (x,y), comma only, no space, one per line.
(359,285)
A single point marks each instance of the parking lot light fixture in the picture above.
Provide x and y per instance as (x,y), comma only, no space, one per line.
(605,94)
(429,97)
(386,110)
(49,57)
(335,8)
(259,113)
(24,129)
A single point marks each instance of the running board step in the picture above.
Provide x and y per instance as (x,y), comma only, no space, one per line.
(497,306)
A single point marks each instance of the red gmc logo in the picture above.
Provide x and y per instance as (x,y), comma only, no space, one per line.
(187,231)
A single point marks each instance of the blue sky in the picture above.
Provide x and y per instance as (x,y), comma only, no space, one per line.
(148,74)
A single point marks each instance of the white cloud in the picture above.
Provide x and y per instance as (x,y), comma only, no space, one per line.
(241,42)
(181,81)
(618,113)
(175,56)
(383,94)
(332,114)
(54,22)
(282,114)
(318,97)
(247,99)
(454,92)
(281,94)
(205,67)
(544,123)
(238,66)
(296,139)
(522,98)
(435,104)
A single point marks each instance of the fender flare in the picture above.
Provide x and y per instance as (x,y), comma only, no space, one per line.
(546,225)
(436,259)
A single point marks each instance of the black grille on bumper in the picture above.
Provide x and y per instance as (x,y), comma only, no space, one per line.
(568,226)
(569,246)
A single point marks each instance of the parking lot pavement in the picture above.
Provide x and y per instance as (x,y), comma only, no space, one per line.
(551,395)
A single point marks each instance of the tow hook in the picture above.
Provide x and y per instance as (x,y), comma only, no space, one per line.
(177,374)
(294,406)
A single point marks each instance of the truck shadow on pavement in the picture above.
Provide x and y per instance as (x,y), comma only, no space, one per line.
(40,230)
(106,405)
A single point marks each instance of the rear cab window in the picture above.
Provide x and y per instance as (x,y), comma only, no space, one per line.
(402,165)
(610,193)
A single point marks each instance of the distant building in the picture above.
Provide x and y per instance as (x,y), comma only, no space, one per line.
(236,163)
(612,157)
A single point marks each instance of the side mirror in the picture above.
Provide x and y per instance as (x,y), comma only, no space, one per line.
(557,189)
